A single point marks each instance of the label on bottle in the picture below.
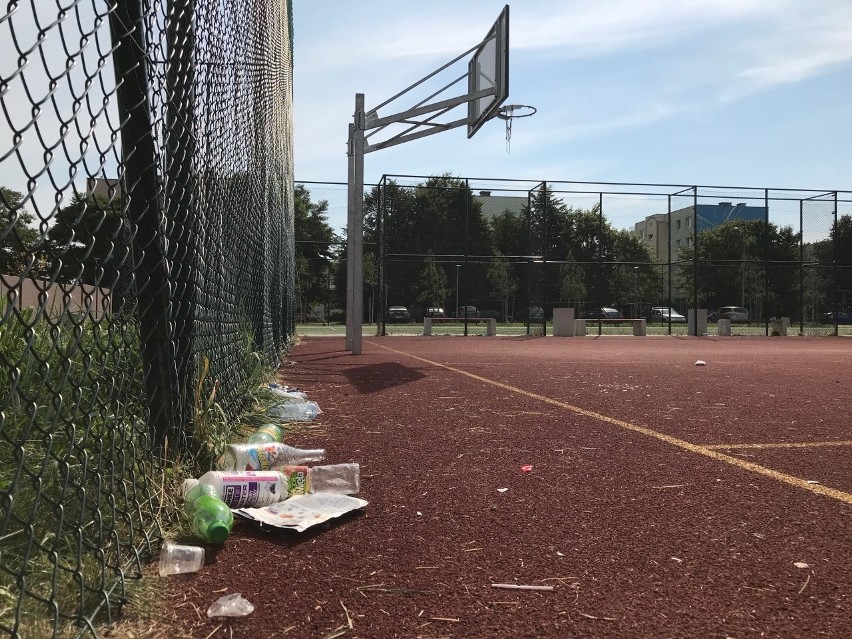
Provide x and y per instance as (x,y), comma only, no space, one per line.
(250,489)
(297,479)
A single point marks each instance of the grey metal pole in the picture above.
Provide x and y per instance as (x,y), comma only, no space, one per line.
(358,226)
(350,234)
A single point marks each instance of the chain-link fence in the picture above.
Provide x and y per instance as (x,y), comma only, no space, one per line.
(147,269)
(514,250)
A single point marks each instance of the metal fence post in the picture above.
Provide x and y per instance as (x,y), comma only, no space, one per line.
(143,207)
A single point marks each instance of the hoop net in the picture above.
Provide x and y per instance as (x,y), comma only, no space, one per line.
(508,113)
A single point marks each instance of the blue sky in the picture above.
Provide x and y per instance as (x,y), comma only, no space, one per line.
(723,92)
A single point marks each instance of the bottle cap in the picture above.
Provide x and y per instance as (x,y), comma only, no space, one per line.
(218,531)
(187,484)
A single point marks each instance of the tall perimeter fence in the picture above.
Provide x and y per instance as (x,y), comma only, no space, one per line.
(147,270)
(514,250)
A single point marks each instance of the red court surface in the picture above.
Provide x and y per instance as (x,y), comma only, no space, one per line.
(665,499)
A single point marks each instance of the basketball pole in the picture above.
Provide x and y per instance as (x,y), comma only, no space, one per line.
(355,232)
(357,147)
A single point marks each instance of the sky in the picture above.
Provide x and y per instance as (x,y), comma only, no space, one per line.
(754,93)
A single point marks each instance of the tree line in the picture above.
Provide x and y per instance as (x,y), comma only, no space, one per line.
(439,246)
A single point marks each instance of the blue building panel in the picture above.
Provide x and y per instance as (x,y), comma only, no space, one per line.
(710,215)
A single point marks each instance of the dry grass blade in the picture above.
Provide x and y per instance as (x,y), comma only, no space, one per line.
(215,630)
(805,585)
(521,587)
(348,618)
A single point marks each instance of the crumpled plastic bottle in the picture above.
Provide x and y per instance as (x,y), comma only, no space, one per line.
(289,412)
(291,394)
(233,605)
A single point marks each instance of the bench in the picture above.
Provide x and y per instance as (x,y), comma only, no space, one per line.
(490,328)
(640,325)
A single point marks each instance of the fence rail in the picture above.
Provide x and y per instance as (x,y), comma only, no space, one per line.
(146,246)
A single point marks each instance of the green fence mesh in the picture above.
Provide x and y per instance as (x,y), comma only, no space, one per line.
(146,255)
(514,250)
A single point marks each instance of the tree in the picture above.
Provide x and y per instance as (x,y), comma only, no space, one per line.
(432,289)
(18,236)
(572,289)
(501,283)
(90,241)
(510,233)
(439,215)
(316,245)
(834,256)
(736,261)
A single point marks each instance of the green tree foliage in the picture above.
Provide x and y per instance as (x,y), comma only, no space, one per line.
(589,245)
(834,258)
(316,248)
(17,237)
(502,285)
(572,287)
(439,215)
(432,289)
(89,242)
(510,233)
(737,260)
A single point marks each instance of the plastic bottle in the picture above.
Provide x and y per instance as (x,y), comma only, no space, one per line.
(192,491)
(290,412)
(267,433)
(344,479)
(254,489)
(211,518)
(285,389)
(247,489)
(268,456)
(291,394)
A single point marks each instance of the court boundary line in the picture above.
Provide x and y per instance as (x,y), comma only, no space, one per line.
(698,449)
(769,445)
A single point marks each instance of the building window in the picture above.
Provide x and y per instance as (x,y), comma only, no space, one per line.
(688,222)
(678,225)
(678,243)
(689,242)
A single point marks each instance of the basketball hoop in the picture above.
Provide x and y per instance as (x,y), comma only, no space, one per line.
(508,113)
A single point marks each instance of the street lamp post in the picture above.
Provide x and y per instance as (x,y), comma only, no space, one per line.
(458,266)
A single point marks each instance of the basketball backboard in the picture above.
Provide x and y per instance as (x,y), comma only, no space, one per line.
(489,69)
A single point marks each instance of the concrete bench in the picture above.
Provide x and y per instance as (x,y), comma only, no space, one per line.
(640,325)
(490,323)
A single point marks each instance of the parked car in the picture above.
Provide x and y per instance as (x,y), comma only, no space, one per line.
(472,312)
(435,311)
(665,314)
(733,313)
(398,314)
(842,317)
(603,313)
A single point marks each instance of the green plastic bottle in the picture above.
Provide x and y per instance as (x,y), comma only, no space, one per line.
(193,491)
(266,434)
(212,520)
(210,517)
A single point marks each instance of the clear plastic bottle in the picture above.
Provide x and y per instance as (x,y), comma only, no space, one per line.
(291,394)
(268,456)
(210,517)
(344,479)
(291,412)
(267,433)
